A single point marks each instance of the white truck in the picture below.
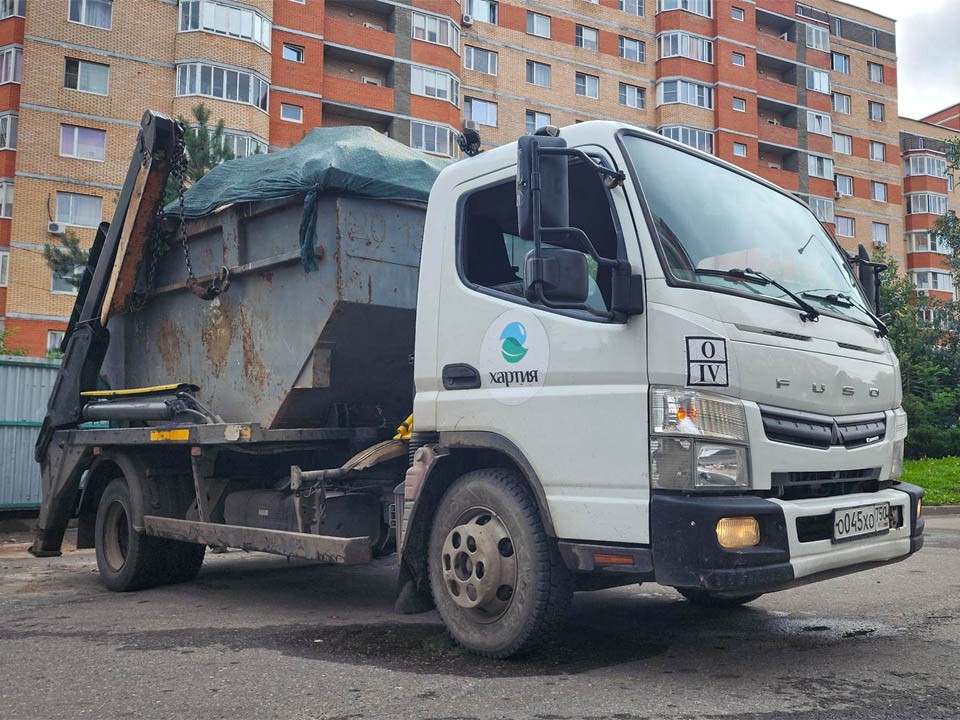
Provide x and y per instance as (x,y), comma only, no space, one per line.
(633,362)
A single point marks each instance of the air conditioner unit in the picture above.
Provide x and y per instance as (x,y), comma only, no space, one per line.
(921,293)
(785,36)
(373,26)
(774,166)
(879,243)
(773,121)
(366,80)
(466,20)
(56,228)
(837,195)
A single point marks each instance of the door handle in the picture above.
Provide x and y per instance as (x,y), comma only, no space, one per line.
(460,376)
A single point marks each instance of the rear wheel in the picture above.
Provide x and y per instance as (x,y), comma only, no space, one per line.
(497,580)
(705,599)
(127,559)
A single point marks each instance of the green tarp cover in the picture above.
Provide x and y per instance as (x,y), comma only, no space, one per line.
(349,160)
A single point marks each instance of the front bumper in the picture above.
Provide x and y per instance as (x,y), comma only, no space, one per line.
(686,553)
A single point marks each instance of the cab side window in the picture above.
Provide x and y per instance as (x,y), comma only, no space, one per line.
(492,254)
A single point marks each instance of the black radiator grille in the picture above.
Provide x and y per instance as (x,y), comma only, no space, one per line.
(822,431)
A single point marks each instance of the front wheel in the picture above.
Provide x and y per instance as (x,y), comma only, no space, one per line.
(127,559)
(704,599)
(497,580)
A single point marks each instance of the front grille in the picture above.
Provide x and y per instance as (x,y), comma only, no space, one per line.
(790,479)
(822,431)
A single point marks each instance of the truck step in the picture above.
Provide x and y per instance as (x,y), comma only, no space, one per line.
(325,548)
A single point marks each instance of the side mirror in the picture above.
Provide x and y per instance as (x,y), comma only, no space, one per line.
(627,293)
(869,273)
(549,175)
(558,275)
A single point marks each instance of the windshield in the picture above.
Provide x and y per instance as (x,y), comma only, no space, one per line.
(710,220)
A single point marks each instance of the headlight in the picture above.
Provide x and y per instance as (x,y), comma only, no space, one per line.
(675,411)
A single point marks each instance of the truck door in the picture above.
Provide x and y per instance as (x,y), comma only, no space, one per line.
(568,388)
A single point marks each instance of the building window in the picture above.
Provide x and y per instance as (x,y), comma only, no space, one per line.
(844,184)
(739,149)
(587,85)
(927,242)
(62,285)
(822,208)
(837,27)
(918,203)
(846,226)
(223,84)
(740,104)
(536,120)
(878,151)
(878,191)
(224,19)
(54,340)
(8,131)
(538,73)
(79,210)
(683,91)
(739,59)
(877,111)
(4,268)
(434,83)
(85,76)
(83,143)
(436,30)
(587,37)
(538,24)
(821,167)
(241,144)
(633,7)
(681,44)
(818,80)
(481,60)
(874,72)
(631,49)
(483,112)
(429,138)
(692,137)
(926,165)
(95,13)
(699,7)
(291,113)
(737,14)
(880,233)
(841,103)
(842,144)
(633,96)
(11,8)
(819,123)
(818,38)
(484,11)
(11,65)
(294,53)
(841,63)
(6,199)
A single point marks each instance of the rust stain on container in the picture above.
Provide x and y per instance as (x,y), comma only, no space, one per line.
(216,337)
(254,370)
(169,345)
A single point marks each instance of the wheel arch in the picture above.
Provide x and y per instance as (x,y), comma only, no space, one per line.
(459,453)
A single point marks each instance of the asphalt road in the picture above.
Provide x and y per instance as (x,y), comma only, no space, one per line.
(262,637)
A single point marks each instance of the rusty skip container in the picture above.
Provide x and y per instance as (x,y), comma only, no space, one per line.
(284,347)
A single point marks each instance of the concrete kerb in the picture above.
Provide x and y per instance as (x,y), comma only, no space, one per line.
(935,510)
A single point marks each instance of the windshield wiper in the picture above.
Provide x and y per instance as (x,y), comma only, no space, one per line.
(808,312)
(843,300)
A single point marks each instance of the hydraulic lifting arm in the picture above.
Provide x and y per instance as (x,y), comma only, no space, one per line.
(108,285)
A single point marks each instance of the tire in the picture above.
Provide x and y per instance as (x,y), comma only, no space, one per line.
(704,599)
(127,560)
(497,580)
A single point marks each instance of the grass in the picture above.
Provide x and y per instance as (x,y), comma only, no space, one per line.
(940,478)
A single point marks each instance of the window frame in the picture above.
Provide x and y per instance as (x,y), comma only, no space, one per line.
(838,224)
(4,267)
(76,142)
(66,221)
(190,75)
(639,92)
(737,146)
(490,103)
(845,101)
(193,16)
(9,134)
(290,106)
(437,129)
(580,42)
(687,45)
(641,47)
(530,73)
(82,6)
(871,106)
(685,6)
(299,53)
(471,51)
(737,14)
(847,180)
(741,102)
(452,87)
(814,75)
(875,186)
(640,10)
(534,114)
(586,85)
(7,197)
(847,141)
(871,66)
(844,63)
(533,18)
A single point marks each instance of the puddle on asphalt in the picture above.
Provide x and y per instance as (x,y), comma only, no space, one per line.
(831,630)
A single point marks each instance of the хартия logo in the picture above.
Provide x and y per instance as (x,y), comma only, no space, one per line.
(512,339)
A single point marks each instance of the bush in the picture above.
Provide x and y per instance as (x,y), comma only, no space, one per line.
(927,441)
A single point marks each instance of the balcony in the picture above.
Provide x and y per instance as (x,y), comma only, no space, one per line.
(357,94)
(355,35)
(781,178)
(778,134)
(771,86)
(776,46)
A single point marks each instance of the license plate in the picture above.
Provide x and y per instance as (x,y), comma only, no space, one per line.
(857,522)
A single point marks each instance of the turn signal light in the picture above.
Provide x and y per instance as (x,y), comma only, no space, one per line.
(919,507)
(738,532)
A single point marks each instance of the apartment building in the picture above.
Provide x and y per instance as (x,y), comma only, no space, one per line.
(803,94)
(76,76)
(929,191)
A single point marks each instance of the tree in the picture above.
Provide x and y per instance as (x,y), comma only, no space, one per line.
(5,348)
(65,260)
(203,146)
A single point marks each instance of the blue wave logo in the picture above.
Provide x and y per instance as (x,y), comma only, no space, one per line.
(512,341)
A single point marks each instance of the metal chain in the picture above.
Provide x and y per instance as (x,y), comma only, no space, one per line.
(180,174)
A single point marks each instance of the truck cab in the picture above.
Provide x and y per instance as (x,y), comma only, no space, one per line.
(669,359)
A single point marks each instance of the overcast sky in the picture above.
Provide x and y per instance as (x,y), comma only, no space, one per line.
(929,60)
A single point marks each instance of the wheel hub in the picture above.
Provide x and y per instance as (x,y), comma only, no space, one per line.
(479,564)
